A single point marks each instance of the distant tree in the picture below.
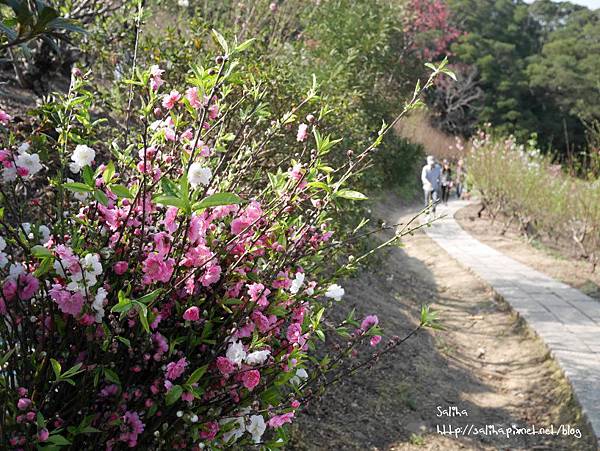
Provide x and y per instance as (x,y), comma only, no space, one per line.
(500,36)
(456,104)
(551,15)
(568,71)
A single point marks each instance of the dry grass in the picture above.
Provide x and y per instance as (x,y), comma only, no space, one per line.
(417,128)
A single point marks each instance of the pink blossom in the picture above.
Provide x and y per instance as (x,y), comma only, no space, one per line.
(213,111)
(282,281)
(28,285)
(369,321)
(209,431)
(251,379)
(43,435)
(120,267)
(109,390)
(197,229)
(302,133)
(5,118)
(176,369)
(294,333)
(157,269)
(132,421)
(187,396)
(67,302)
(211,276)
(279,420)
(261,321)
(192,314)
(225,366)
(187,135)
(9,289)
(24,403)
(192,95)
(248,217)
(171,99)
(170,219)
(258,293)
(156,80)
(162,243)
(375,340)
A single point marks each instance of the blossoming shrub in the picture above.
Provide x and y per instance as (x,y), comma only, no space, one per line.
(522,183)
(160,287)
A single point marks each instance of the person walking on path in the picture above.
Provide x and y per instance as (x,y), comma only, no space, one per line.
(461,176)
(430,177)
(446,181)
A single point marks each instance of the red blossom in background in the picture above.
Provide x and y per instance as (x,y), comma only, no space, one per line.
(428,30)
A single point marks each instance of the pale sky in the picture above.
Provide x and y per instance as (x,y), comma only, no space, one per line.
(592,4)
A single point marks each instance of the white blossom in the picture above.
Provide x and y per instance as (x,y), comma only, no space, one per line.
(98,304)
(256,427)
(300,376)
(30,162)
(15,270)
(45,232)
(236,352)
(257,357)
(297,283)
(236,431)
(335,292)
(82,156)
(9,175)
(199,175)
(24,147)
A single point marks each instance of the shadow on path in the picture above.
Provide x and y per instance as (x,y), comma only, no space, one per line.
(485,362)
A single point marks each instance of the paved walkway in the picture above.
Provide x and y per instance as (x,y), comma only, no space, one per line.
(567,320)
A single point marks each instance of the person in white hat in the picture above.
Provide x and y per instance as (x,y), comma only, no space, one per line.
(430,177)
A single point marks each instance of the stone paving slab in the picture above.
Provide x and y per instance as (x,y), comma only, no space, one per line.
(567,320)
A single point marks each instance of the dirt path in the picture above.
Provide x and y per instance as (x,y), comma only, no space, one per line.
(485,363)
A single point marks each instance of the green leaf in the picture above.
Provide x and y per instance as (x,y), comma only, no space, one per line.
(122,307)
(101,197)
(111,376)
(170,200)
(88,175)
(173,395)
(6,357)
(46,265)
(143,314)
(121,191)
(244,45)
(125,341)
(72,371)
(221,40)
(147,298)
(197,374)
(58,440)
(78,187)
(8,32)
(350,194)
(56,367)
(41,251)
(216,200)
(109,172)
